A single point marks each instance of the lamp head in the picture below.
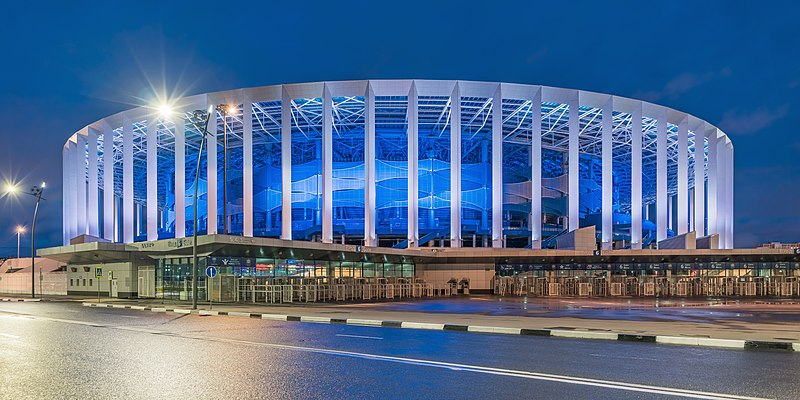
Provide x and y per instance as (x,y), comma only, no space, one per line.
(164,110)
(11,188)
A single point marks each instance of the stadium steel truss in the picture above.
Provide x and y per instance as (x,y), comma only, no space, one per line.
(404,163)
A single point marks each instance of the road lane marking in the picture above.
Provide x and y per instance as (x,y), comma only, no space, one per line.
(8,335)
(574,380)
(359,336)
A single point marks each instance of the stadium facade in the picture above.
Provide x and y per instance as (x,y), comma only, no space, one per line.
(416,174)
(402,163)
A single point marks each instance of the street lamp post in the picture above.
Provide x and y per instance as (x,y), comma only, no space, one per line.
(20,231)
(195,271)
(37,192)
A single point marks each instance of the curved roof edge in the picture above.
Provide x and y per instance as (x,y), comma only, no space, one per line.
(388,87)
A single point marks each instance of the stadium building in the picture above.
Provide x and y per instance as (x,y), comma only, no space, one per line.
(405,181)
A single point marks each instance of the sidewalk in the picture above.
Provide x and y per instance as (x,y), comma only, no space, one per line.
(777,330)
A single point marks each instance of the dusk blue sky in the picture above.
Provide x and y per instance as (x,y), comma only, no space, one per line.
(67,64)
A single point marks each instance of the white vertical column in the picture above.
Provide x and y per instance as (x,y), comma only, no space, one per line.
(73,194)
(286,165)
(573,159)
(607,239)
(152,178)
(661,178)
(70,192)
(722,192)
(713,186)
(413,168)
(127,181)
(497,168)
(211,175)
(455,167)
(108,183)
(370,239)
(670,210)
(80,169)
(729,187)
(247,167)
(699,181)
(536,171)
(180,178)
(65,204)
(327,166)
(93,208)
(636,177)
(683,177)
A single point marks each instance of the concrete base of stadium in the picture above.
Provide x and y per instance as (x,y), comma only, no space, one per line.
(251,269)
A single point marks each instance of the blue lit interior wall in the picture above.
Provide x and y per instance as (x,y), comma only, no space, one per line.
(672,177)
(476,169)
(391,166)
(267,169)
(306,168)
(554,189)
(166,184)
(348,165)
(139,180)
(434,163)
(621,180)
(193,140)
(517,137)
(234,183)
(649,170)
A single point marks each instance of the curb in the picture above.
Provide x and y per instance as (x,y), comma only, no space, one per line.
(20,299)
(758,345)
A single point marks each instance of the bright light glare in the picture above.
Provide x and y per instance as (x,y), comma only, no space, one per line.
(43,184)
(11,188)
(20,229)
(232,110)
(165,110)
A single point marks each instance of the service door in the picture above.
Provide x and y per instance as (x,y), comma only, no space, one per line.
(114,289)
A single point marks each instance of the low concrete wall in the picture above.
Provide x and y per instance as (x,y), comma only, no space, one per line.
(480,275)
(20,283)
(687,241)
(708,242)
(579,239)
(82,278)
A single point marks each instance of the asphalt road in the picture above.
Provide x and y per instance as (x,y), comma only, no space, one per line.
(63,350)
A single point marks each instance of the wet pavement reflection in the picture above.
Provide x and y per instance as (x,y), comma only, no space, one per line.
(687,310)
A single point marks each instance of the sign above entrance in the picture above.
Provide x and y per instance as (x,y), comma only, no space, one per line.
(231,261)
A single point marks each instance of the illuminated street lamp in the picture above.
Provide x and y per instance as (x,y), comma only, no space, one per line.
(36,192)
(198,115)
(20,231)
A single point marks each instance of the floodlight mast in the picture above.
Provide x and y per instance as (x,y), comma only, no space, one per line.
(194,205)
